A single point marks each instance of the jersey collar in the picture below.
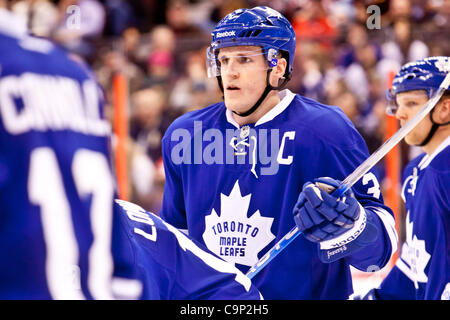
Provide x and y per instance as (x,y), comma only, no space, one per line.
(12,24)
(286,97)
(428,158)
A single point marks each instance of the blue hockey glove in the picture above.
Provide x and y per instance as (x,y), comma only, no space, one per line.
(341,226)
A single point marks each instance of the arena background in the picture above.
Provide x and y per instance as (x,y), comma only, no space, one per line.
(149,57)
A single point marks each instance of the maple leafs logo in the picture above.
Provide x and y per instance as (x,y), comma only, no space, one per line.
(233,235)
(443,64)
(414,257)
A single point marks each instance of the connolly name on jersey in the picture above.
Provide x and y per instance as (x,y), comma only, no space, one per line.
(41,97)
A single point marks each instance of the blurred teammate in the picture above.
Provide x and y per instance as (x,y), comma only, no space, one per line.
(62,236)
(423,269)
(235,170)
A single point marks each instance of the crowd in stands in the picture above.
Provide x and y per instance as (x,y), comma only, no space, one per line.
(160,46)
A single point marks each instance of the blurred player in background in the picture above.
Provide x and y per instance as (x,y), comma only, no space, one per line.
(62,236)
(423,269)
(235,170)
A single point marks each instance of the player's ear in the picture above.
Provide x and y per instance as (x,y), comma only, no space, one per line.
(281,66)
(278,71)
(443,112)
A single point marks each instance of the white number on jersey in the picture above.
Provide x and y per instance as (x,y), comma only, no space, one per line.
(91,175)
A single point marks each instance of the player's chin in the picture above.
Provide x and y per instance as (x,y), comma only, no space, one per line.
(412,140)
(236,106)
(233,96)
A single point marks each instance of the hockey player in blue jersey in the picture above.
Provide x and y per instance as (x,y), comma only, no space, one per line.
(57,214)
(423,268)
(236,170)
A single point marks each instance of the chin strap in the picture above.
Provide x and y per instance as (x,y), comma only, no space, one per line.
(268,88)
(433,129)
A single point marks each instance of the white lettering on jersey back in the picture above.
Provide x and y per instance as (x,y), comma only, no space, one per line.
(50,103)
(236,236)
(138,214)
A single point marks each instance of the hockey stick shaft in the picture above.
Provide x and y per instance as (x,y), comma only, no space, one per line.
(389,144)
(357,174)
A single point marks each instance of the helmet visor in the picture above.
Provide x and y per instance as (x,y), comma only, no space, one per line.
(391,97)
(391,106)
(239,59)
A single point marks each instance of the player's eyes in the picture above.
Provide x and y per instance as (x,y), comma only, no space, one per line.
(240,60)
(411,103)
(224,60)
(408,103)
(243,60)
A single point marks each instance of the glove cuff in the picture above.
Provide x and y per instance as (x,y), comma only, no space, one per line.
(359,239)
(350,235)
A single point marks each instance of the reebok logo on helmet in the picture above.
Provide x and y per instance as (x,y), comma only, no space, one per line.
(225,34)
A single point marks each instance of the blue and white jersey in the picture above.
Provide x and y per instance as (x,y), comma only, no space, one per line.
(56,183)
(170,265)
(423,269)
(234,189)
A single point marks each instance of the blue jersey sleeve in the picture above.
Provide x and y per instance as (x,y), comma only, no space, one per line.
(173,266)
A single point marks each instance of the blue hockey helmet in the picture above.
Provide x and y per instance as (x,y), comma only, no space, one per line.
(425,74)
(260,26)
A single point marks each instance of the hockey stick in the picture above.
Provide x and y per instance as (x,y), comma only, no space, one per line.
(357,174)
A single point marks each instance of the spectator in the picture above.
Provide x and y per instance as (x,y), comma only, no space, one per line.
(404,47)
(112,61)
(119,17)
(160,64)
(312,22)
(81,24)
(192,89)
(178,18)
(41,16)
(147,126)
(133,49)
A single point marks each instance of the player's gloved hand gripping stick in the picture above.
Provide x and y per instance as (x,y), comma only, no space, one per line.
(360,171)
